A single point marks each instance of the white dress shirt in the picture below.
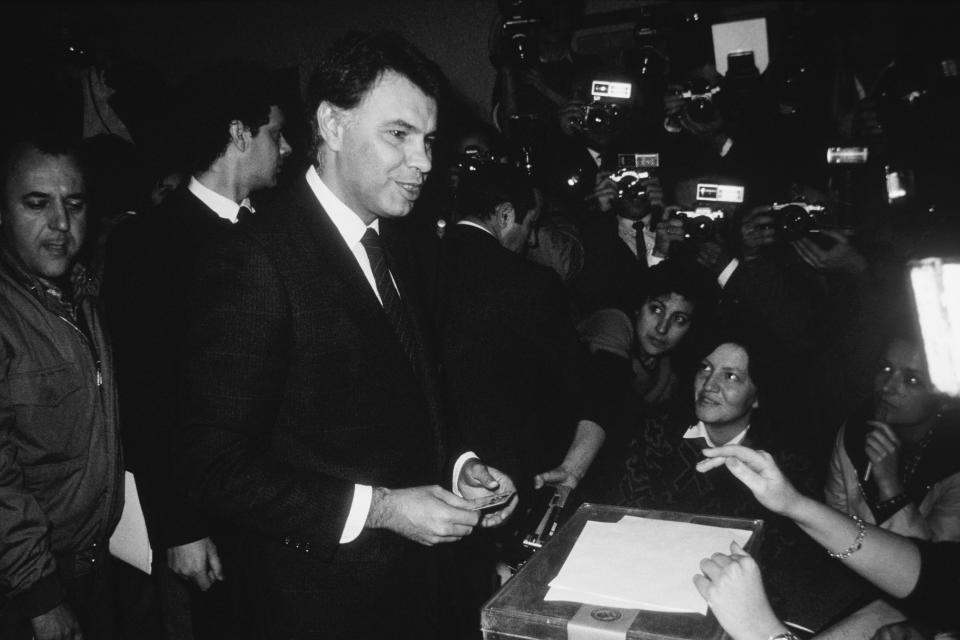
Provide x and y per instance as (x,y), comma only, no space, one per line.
(220,205)
(351,229)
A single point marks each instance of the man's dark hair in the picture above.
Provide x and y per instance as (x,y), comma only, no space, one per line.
(211,100)
(353,65)
(479,193)
(50,142)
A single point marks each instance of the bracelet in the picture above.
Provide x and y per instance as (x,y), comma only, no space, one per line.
(849,551)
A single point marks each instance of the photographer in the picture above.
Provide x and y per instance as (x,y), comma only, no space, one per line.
(621,240)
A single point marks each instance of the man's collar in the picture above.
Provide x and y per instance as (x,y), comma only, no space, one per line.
(219,204)
(699,430)
(50,294)
(347,222)
(471,223)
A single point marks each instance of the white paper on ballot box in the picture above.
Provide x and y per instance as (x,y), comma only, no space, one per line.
(640,563)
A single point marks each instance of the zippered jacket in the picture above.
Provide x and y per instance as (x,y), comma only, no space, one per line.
(61,474)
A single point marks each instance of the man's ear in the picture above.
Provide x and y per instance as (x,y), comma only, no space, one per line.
(239,135)
(331,121)
(504,215)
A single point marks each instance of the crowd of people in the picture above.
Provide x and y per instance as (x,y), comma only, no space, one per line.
(319,365)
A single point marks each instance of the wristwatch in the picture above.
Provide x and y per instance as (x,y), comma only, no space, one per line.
(786,635)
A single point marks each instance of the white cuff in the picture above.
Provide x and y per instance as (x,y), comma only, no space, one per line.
(359,510)
(727,272)
(458,466)
(727,145)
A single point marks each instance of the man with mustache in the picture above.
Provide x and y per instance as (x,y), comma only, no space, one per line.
(61,490)
(311,418)
(234,146)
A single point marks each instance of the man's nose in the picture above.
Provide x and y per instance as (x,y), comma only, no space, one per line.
(419,158)
(285,148)
(57,217)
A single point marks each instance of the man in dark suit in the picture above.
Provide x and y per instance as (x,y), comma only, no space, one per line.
(311,420)
(513,364)
(236,147)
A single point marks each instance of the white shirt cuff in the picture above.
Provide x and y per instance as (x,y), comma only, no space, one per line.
(458,466)
(725,149)
(727,272)
(359,510)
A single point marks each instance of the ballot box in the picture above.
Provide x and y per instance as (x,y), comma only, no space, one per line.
(520,610)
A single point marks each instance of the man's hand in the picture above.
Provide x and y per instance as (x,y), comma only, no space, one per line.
(668,232)
(197,562)
(427,515)
(605,193)
(57,624)
(477,480)
(570,117)
(882,447)
(732,586)
(840,256)
(713,256)
(756,232)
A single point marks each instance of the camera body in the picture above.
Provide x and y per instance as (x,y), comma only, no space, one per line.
(629,183)
(473,160)
(701,224)
(604,112)
(699,102)
(794,220)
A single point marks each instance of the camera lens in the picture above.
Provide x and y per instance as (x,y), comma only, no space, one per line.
(795,222)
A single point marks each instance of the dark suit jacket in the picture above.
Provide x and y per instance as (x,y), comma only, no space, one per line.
(511,357)
(295,388)
(149,268)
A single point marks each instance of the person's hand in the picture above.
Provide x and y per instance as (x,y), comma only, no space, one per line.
(757,231)
(197,562)
(732,586)
(478,480)
(669,231)
(604,193)
(654,190)
(839,256)
(673,100)
(57,624)
(427,515)
(570,117)
(562,476)
(758,471)
(882,447)
(904,630)
(714,256)
(866,119)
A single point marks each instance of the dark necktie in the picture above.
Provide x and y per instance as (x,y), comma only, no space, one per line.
(244,214)
(641,243)
(392,304)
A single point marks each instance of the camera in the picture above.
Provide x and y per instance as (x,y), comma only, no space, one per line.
(519,18)
(474,159)
(794,220)
(700,105)
(701,224)
(603,113)
(629,183)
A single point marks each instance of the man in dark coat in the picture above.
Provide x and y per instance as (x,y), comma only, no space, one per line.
(237,147)
(312,423)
